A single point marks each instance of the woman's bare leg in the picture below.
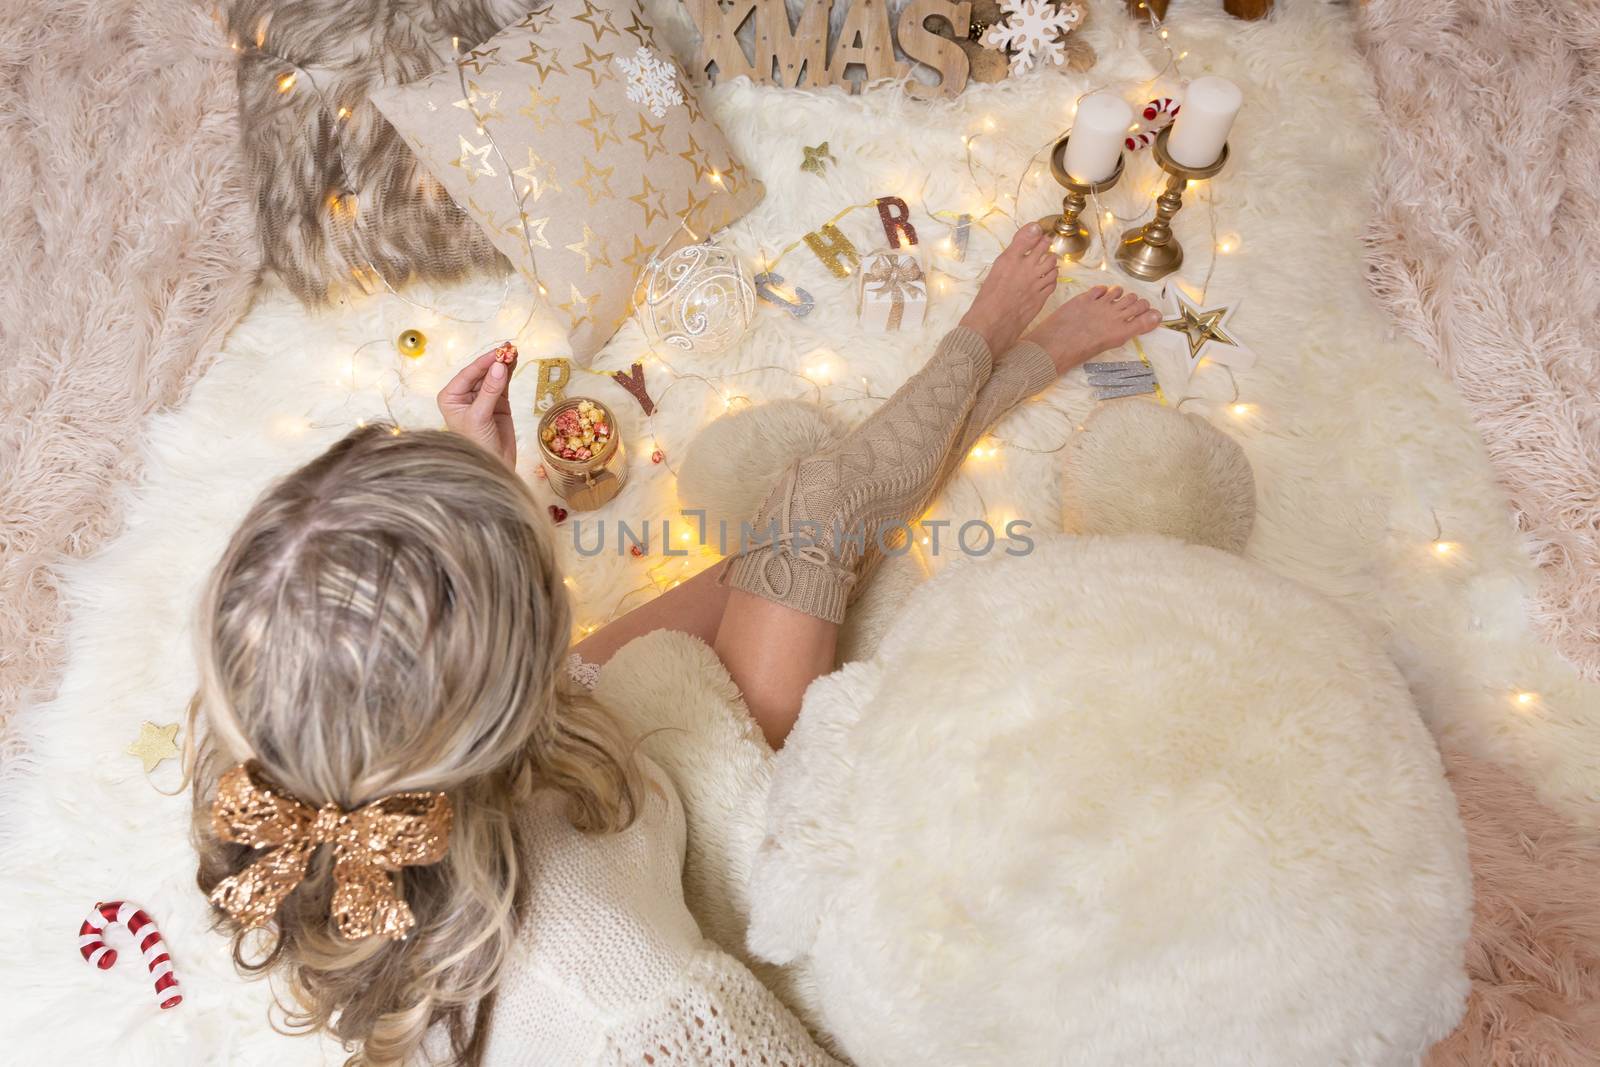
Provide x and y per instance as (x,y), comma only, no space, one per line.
(693,608)
(773,653)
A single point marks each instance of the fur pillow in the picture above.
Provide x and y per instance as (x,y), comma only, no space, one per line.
(340,199)
(572,139)
(1162,807)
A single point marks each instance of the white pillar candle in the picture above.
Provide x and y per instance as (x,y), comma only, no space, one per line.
(1203,122)
(1097,135)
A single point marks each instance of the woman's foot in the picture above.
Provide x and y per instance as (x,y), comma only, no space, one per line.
(1018,284)
(1091,323)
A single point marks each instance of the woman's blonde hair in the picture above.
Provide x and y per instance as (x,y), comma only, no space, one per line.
(390,617)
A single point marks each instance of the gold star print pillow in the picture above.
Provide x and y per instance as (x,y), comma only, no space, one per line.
(577,144)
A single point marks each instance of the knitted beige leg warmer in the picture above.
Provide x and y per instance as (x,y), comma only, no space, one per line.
(830,518)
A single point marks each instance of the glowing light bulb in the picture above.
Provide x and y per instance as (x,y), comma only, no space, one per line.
(1526,698)
(1444,548)
(1240,410)
(685,536)
(1183,55)
(988,122)
(286,81)
(1110,217)
(716,179)
(1228,244)
(1163,35)
(344,113)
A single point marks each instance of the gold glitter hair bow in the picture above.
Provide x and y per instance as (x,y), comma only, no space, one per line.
(403,830)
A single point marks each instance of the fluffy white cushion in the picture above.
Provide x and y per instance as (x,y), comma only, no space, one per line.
(1145,804)
(1138,467)
(732,464)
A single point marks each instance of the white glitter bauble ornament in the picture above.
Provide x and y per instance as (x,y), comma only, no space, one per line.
(697,299)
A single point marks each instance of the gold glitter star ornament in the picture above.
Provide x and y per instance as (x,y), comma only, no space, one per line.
(1191,333)
(155,743)
(817,158)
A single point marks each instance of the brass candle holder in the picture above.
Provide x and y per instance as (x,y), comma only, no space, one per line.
(1150,252)
(1069,239)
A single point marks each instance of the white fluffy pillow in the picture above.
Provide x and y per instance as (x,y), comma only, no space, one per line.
(1123,801)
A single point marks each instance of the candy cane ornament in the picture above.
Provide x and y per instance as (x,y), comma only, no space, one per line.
(1158,115)
(91,943)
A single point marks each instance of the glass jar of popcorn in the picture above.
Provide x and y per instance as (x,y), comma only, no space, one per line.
(581,446)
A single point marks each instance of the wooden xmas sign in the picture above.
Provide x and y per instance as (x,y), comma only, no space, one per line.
(792,56)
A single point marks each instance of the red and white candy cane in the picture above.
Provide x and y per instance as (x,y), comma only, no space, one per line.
(1158,115)
(91,944)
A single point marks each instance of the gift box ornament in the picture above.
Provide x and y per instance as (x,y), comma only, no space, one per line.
(893,291)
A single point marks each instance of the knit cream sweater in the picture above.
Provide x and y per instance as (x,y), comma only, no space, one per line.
(611,967)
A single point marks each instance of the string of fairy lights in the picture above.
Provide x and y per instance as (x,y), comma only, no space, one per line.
(816,376)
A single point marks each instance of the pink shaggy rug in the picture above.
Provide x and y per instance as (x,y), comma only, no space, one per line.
(1484,246)
(1534,956)
(129,252)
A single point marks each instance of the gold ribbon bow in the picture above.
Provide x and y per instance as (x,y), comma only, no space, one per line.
(403,830)
(895,275)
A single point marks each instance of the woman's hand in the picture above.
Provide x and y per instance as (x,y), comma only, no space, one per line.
(477,404)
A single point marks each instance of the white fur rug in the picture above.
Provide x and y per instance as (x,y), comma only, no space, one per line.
(1358,446)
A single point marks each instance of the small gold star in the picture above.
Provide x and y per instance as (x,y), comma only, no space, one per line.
(649,138)
(586,248)
(1199,326)
(696,157)
(535,59)
(649,201)
(472,104)
(588,16)
(640,31)
(637,258)
(540,109)
(590,58)
(531,228)
(817,159)
(156,743)
(475,161)
(693,206)
(478,211)
(578,303)
(478,58)
(538,19)
(586,183)
(602,126)
(539,176)
(692,103)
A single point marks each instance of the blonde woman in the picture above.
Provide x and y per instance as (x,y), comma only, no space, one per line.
(448,849)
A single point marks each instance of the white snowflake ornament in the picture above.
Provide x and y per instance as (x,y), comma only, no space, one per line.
(1033,30)
(652,81)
